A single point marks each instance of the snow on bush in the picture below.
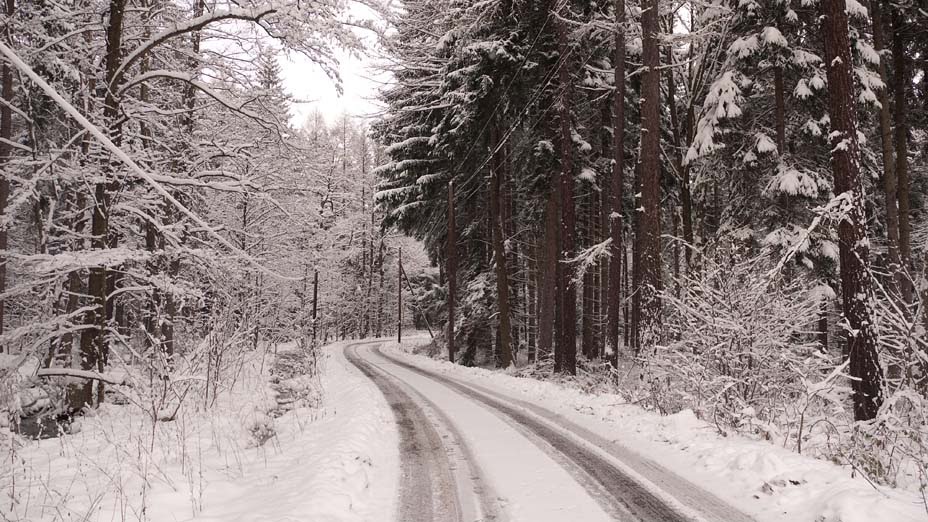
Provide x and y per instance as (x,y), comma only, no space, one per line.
(173,435)
(740,351)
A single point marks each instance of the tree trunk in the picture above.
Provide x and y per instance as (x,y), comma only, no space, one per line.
(547,284)
(94,344)
(682,170)
(511,249)
(170,303)
(6,153)
(380,294)
(686,199)
(452,268)
(886,142)
(504,352)
(399,296)
(900,77)
(853,244)
(531,301)
(565,360)
(616,183)
(648,235)
(589,281)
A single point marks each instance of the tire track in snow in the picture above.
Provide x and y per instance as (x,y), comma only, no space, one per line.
(432,487)
(585,450)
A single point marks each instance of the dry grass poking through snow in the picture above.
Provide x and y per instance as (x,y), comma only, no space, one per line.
(124,462)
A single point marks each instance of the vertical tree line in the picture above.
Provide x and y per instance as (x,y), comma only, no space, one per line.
(730,138)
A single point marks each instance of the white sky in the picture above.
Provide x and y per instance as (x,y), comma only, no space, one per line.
(306,82)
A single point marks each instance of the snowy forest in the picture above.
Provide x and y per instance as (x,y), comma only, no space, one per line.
(712,211)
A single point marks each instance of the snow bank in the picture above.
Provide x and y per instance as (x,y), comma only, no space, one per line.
(267,450)
(768,482)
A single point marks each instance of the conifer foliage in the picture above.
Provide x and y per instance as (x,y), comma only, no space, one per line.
(610,160)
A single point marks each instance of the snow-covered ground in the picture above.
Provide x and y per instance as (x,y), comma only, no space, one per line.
(338,461)
(765,481)
(334,462)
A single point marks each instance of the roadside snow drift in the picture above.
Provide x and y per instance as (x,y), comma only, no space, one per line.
(765,481)
(262,452)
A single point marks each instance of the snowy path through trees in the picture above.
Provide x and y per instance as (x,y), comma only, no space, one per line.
(561,473)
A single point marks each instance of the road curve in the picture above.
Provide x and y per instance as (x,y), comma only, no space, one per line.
(623,484)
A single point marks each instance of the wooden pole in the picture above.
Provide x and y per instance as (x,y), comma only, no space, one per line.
(452,268)
(399,296)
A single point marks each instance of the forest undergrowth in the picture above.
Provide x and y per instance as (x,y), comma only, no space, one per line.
(165,440)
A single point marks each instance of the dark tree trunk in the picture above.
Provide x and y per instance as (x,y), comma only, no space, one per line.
(886,142)
(507,209)
(682,169)
(170,303)
(531,301)
(565,360)
(589,281)
(6,152)
(616,183)
(686,199)
(399,296)
(94,344)
(547,286)
(504,352)
(853,246)
(900,78)
(648,235)
(604,207)
(380,294)
(452,268)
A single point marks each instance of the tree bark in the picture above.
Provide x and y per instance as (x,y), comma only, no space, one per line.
(399,297)
(547,286)
(648,235)
(94,344)
(531,301)
(452,268)
(6,152)
(504,353)
(616,185)
(565,360)
(852,237)
(900,77)
(589,281)
(886,142)
(686,199)
(682,168)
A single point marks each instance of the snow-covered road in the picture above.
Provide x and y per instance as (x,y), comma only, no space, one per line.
(469,453)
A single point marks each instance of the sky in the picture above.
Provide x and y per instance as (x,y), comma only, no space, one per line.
(307,82)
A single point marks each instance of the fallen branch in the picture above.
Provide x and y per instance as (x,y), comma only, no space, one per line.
(82,374)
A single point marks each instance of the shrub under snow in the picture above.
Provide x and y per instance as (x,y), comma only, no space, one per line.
(742,350)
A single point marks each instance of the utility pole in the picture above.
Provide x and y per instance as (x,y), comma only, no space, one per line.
(315,301)
(452,268)
(399,296)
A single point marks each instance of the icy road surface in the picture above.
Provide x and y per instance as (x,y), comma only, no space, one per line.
(471,454)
